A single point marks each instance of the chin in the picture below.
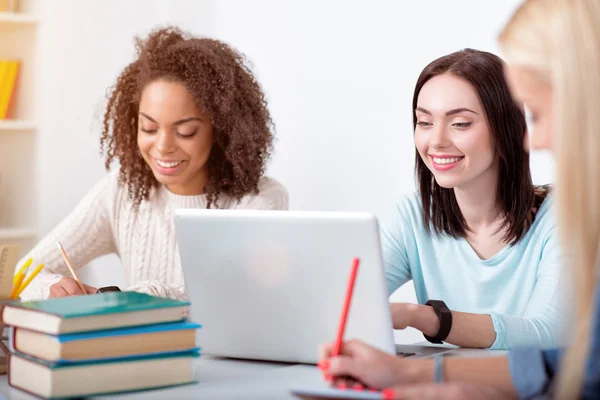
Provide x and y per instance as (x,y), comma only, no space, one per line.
(165,180)
(447,183)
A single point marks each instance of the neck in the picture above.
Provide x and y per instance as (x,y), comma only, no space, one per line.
(191,188)
(478,200)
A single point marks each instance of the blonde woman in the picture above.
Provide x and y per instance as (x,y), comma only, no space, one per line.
(553,49)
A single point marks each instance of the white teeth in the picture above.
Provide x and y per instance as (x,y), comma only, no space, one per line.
(171,164)
(446,160)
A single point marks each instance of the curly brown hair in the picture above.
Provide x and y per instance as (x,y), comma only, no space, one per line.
(222,84)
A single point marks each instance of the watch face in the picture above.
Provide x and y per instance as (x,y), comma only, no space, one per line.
(108,289)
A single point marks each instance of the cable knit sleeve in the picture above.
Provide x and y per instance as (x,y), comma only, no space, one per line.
(272,195)
(156,288)
(85,234)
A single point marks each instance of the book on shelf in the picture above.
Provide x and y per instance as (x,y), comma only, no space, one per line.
(9,80)
(9,5)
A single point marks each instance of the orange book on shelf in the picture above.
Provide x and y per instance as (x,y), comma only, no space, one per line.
(3,71)
(8,89)
(9,5)
(9,114)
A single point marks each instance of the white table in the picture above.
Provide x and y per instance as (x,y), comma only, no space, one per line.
(220,378)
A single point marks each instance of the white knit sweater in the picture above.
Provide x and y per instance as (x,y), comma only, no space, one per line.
(105,222)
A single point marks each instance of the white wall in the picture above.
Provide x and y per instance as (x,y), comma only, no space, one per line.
(338,74)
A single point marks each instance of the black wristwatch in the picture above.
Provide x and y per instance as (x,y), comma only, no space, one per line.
(108,289)
(445,316)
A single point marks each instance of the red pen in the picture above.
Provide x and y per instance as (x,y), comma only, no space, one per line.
(337,347)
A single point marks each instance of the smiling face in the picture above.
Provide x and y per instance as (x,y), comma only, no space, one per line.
(452,134)
(175,137)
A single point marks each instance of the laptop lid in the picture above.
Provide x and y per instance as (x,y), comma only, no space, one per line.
(270,284)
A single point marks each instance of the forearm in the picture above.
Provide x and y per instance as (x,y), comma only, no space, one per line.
(468,330)
(487,371)
(157,288)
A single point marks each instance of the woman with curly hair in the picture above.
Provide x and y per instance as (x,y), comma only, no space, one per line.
(189,126)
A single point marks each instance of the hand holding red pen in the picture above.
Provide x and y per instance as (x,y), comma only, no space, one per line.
(354,362)
(363,363)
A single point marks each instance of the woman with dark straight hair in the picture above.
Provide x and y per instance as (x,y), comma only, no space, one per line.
(478,239)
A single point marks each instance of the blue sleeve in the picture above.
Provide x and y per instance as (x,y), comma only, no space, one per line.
(532,370)
(393,247)
(591,383)
(541,323)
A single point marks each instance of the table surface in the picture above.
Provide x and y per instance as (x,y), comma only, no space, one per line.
(220,378)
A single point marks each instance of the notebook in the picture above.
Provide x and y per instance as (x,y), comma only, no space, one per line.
(50,380)
(313,393)
(107,344)
(9,256)
(93,312)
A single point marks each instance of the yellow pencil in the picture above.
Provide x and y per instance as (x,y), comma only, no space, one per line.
(29,279)
(16,288)
(22,270)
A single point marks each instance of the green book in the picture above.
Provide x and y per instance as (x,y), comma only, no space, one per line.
(93,312)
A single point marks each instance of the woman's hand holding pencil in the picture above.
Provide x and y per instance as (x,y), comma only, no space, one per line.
(69,286)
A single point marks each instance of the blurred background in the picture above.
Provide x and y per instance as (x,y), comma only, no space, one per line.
(338,74)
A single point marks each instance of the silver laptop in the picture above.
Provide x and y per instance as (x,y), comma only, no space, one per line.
(270,285)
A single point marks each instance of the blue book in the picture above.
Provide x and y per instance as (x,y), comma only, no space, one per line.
(93,312)
(58,381)
(105,345)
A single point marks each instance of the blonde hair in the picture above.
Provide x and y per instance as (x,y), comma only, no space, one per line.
(560,41)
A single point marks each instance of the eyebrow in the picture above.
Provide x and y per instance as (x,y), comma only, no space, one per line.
(181,121)
(448,113)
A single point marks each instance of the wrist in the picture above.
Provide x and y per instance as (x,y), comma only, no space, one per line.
(417,371)
(425,319)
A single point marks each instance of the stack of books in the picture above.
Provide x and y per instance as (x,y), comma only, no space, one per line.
(9,73)
(97,344)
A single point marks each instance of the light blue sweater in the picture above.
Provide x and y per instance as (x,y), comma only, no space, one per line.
(517,287)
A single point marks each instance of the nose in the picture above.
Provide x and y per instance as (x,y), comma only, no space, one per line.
(540,139)
(439,137)
(165,141)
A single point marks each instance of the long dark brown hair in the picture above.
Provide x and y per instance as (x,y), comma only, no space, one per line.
(516,195)
(220,81)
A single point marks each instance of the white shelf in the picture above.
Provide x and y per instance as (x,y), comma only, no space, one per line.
(17,233)
(17,18)
(16,125)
